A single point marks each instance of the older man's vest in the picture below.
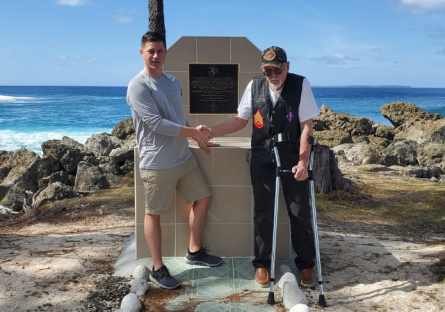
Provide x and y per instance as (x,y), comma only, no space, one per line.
(269,120)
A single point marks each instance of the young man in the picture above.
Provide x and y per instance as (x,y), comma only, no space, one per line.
(278,102)
(166,163)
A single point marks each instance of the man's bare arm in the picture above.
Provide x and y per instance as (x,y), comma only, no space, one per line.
(301,169)
(232,125)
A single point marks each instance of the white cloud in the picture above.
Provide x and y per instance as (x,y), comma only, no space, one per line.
(334,59)
(92,60)
(71,2)
(420,6)
(61,57)
(123,19)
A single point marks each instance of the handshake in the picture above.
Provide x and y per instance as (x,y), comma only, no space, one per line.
(203,134)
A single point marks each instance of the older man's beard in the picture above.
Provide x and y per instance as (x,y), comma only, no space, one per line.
(275,84)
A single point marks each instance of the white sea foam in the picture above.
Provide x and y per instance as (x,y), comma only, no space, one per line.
(6,98)
(12,140)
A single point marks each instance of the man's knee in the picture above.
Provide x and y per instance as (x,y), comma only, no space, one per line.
(203,201)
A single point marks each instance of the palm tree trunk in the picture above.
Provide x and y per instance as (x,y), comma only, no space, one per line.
(156,17)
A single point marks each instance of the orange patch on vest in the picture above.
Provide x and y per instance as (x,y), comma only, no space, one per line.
(258,120)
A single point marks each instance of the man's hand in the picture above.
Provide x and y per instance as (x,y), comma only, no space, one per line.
(300,172)
(204,134)
(204,145)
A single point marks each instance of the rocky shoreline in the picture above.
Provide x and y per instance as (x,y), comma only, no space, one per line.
(414,146)
(67,169)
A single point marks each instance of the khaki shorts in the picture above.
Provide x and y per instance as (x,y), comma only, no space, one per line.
(160,186)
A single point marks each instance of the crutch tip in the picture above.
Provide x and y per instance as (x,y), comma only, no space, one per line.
(271,298)
(322,301)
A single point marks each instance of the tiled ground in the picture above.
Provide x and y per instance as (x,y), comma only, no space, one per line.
(229,287)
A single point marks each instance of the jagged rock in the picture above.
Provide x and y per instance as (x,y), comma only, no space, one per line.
(438,136)
(141,272)
(401,153)
(123,129)
(355,126)
(385,132)
(108,166)
(90,178)
(68,152)
(19,160)
(292,295)
(139,287)
(127,167)
(441,179)
(91,160)
(54,191)
(418,172)
(370,139)
(6,213)
(327,175)
(114,180)
(120,155)
(13,197)
(47,145)
(431,154)
(67,141)
(43,182)
(62,177)
(102,144)
(399,113)
(332,138)
(131,303)
(361,153)
(300,308)
(422,131)
(27,177)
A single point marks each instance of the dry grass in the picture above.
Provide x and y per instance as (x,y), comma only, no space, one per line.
(404,206)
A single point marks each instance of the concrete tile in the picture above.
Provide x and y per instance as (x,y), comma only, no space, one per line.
(205,162)
(180,54)
(213,50)
(215,307)
(243,270)
(233,240)
(231,167)
(246,54)
(232,204)
(254,306)
(139,204)
(179,268)
(212,275)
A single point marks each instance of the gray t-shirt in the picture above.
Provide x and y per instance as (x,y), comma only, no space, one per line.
(158,114)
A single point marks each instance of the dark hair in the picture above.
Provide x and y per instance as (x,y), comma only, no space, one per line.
(153,36)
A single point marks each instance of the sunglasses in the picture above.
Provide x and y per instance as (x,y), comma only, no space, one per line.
(268,72)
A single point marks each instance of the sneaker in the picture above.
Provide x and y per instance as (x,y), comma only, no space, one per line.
(203,257)
(163,278)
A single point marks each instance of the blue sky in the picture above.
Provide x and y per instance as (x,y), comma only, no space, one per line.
(344,42)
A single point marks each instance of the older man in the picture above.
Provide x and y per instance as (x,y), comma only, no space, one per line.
(279,102)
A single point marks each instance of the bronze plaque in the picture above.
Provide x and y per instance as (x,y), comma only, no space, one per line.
(213,88)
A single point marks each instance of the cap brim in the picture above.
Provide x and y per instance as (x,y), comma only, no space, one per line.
(270,64)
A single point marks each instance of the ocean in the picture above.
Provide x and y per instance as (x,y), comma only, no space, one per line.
(32,115)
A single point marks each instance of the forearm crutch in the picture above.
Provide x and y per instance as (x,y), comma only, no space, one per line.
(281,137)
(321,299)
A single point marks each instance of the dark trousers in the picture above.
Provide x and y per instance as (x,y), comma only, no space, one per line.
(296,195)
